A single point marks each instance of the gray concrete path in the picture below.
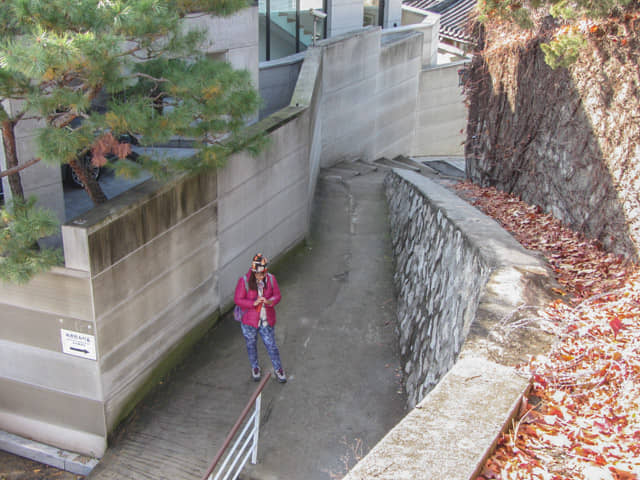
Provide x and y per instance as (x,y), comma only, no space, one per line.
(337,340)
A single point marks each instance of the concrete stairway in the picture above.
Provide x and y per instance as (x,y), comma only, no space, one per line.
(445,170)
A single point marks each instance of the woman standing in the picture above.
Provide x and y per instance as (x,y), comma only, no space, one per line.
(257,294)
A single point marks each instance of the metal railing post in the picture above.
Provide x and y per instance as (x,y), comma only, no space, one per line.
(238,459)
(256,431)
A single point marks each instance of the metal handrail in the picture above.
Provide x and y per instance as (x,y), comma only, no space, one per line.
(255,399)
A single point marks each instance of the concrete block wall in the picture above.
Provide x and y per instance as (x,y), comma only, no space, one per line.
(308,94)
(263,200)
(396,94)
(344,16)
(393,14)
(349,69)
(46,394)
(370,82)
(441,121)
(236,36)
(151,259)
(464,284)
(429,25)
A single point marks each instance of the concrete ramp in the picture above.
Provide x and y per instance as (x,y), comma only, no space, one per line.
(336,333)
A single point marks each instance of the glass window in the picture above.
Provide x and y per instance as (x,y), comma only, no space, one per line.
(287,26)
(373,11)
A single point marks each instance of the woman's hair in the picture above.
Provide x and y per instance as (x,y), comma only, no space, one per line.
(253,283)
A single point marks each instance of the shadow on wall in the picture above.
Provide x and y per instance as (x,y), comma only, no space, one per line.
(529,134)
(277,81)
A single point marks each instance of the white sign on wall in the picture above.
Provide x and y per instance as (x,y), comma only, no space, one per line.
(78,344)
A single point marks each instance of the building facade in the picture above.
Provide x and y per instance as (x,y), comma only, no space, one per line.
(289,26)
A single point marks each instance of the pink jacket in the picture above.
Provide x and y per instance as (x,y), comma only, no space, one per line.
(245,300)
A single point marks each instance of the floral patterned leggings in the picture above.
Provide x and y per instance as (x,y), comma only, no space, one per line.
(268,338)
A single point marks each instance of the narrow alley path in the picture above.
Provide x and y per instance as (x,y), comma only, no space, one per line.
(337,340)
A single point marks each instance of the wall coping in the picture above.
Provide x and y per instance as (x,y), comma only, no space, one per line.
(288,60)
(389,39)
(452,431)
(445,66)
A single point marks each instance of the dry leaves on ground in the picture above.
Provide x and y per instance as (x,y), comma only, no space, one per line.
(582,418)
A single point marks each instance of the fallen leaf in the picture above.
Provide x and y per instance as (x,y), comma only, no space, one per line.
(615,325)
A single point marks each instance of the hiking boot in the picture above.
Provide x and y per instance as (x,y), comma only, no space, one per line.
(282,378)
(255,374)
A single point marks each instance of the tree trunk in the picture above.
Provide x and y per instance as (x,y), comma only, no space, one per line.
(11,157)
(91,185)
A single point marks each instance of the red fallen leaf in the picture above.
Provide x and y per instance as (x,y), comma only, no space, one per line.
(623,474)
(615,325)
(600,460)
(539,379)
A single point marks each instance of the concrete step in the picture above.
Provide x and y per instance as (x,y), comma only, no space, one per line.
(358,166)
(424,169)
(444,167)
(387,163)
(366,167)
(336,175)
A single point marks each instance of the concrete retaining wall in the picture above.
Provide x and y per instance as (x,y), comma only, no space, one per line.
(47,395)
(439,276)
(141,305)
(463,284)
(369,91)
(263,201)
(441,121)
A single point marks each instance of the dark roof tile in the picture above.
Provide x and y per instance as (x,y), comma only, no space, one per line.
(454,15)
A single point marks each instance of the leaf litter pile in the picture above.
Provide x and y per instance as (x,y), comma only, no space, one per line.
(581,419)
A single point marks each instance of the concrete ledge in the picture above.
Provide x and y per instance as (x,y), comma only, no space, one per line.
(448,434)
(454,428)
(39,452)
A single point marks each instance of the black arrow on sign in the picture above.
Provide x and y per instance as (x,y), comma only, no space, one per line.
(79,350)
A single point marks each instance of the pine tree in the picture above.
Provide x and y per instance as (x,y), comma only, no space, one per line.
(16,87)
(98,70)
(95,70)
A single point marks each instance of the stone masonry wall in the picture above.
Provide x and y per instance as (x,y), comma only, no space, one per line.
(438,278)
(567,139)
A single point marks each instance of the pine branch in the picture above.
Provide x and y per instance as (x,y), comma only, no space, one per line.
(22,166)
(22,225)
